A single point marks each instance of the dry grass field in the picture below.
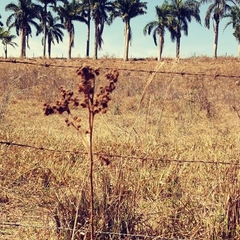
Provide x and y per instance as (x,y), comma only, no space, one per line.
(171,141)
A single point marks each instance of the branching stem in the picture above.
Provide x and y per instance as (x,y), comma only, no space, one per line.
(91,120)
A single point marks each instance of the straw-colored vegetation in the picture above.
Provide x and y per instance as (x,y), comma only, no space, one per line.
(137,190)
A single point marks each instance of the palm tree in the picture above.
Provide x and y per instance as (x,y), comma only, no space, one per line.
(164,20)
(44,14)
(182,12)
(22,18)
(234,16)
(128,9)
(216,10)
(53,31)
(100,11)
(7,39)
(69,12)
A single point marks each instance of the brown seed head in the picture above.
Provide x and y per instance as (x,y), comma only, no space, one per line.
(112,75)
(48,109)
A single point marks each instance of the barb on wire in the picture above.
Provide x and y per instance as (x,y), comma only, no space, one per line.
(143,159)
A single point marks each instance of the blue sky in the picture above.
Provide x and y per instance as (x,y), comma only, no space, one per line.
(198,43)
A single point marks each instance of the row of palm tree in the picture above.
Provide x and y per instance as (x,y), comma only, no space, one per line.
(51,17)
(176,15)
(26,14)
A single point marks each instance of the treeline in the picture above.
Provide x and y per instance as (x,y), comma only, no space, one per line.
(51,17)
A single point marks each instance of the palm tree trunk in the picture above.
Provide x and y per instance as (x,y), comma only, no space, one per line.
(239,49)
(23,43)
(127,38)
(178,47)
(96,41)
(70,37)
(49,49)
(5,50)
(215,45)
(161,43)
(44,31)
(88,33)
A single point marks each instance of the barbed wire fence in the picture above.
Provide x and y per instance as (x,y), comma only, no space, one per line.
(182,73)
(236,163)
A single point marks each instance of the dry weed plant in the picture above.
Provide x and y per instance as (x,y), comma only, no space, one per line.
(95,102)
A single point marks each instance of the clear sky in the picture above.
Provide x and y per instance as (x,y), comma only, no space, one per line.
(198,43)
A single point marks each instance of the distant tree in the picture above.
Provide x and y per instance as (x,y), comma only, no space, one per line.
(182,12)
(234,20)
(69,12)
(22,18)
(128,9)
(216,10)
(158,27)
(100,12)
(7,40)
(44,14)
(1,24)
(53,31)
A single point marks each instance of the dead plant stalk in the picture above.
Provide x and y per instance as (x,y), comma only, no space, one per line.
(95,102)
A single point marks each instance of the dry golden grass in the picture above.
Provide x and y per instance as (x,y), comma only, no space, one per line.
(181,117)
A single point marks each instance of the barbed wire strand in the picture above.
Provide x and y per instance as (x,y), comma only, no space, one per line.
(126,69)
(143,159)
(84,232)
